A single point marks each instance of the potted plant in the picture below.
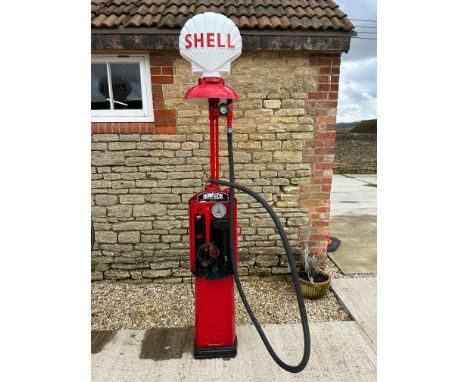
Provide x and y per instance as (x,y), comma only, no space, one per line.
(314,280)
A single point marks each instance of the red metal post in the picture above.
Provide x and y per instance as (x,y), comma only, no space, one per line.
(217,147)
(212,162)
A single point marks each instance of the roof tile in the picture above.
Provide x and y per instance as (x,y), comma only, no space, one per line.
(97,21)
(109,21)
(285,22)
(247,14)
(275,22)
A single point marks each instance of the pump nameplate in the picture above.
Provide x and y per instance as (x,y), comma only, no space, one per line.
(213,196)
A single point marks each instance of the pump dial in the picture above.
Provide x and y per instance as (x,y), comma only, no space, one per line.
(223,109)
(218,210)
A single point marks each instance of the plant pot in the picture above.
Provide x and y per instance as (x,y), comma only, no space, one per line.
(314,290)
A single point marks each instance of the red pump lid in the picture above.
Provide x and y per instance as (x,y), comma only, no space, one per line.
(210,87)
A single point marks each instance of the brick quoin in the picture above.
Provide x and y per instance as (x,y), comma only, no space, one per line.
(165,120)
(319,151)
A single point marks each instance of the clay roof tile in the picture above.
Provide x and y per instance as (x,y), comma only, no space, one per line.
(247,14)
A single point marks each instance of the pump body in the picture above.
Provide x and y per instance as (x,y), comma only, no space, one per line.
(215,332)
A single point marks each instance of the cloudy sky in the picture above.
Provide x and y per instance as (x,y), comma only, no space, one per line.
(358,82)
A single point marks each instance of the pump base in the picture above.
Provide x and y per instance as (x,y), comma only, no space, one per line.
(216,351)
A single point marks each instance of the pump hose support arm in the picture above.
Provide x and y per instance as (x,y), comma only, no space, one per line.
(292,264)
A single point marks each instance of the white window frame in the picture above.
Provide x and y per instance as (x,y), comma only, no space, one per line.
(119,115)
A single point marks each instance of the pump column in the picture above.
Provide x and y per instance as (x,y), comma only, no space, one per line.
(214,137)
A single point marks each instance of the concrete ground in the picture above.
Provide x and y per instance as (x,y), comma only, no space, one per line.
(359,295)
(353,220)
(340,352)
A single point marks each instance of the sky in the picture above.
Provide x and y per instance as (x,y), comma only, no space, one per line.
(358,79)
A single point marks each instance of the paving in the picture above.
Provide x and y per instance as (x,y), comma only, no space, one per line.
(340,352)
(359,295)
(353,195)
(357,252)
(353,219)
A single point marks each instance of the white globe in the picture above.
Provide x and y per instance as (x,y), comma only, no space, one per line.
(210,41)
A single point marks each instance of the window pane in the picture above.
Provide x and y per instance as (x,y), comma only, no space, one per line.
(126,86)
(99,87)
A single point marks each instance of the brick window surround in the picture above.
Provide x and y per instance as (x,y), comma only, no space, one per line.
(162,72)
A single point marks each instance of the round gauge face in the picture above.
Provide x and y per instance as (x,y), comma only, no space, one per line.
(218,210)
(223,109)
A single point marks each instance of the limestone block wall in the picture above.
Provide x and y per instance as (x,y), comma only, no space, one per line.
(356,153)
(142,178)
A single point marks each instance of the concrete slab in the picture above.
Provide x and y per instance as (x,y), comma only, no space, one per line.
(359,295)
(353,195)
(368,178)
(341,351)
(358,250)
(353,220)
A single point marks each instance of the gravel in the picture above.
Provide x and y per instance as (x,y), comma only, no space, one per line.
(120,305)
(129,306)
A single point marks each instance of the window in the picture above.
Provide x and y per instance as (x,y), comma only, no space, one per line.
(128,97)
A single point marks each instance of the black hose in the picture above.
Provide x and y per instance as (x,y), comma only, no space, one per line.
(93,235)
(292,264)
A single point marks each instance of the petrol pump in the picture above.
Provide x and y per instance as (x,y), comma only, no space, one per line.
(210,260)
(211,41)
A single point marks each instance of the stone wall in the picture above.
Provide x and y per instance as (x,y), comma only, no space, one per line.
(141,182)
(356,153)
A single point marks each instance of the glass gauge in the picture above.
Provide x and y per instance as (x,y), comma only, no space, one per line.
(223,109)
(218,210)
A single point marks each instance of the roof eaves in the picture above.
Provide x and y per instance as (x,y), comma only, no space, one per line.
(138,38)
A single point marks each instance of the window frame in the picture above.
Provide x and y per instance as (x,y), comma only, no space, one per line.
(146,114)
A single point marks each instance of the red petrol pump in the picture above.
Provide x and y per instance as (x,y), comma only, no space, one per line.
(210,260)
(211,42)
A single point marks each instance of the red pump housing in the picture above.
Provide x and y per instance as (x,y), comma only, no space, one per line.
(210,262)
(215,332)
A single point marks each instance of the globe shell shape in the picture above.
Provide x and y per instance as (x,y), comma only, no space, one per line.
(211,61)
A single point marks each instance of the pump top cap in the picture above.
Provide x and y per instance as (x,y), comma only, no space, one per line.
(210,41)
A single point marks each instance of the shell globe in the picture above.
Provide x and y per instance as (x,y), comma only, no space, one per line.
(210,41)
